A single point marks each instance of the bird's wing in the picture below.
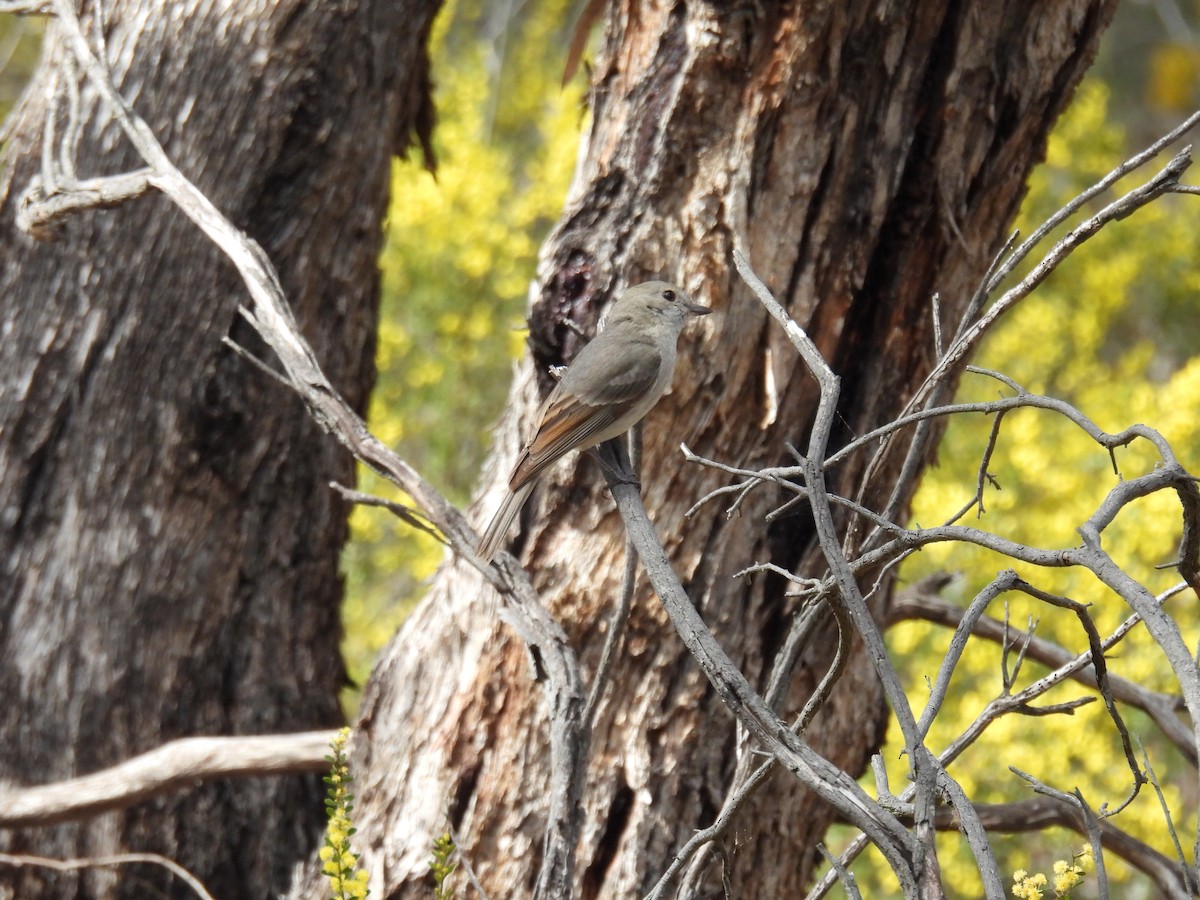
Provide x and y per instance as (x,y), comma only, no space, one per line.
(620,364)
(597,392)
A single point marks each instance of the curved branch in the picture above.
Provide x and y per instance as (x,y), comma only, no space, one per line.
(116,859)
(270,315)
(1045,812)
(1162,708)
(174,766)
(814,771)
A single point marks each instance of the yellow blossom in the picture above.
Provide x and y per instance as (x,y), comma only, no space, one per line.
(1026,886)
(345,880)
(1087,858)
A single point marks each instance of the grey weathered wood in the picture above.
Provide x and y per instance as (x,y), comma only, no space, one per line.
(865,155)
(168,540)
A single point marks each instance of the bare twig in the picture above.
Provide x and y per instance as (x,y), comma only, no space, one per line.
(1099,667)
(850,603)
(885,545)
(958,644)
(972,827)
(1039,813)
(412,517)
(41,207)
(1193,883)
(1162,708)
(115,859)
(971,331)
(745,783)
(1003,705)
(1162,182)
(466,863)
(620,614)
(171,767)
(845,876)
(270,315)
(815,772)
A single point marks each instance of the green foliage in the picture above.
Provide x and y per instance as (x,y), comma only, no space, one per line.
(461,252)
(340,862)
(1090,335)
(441,866)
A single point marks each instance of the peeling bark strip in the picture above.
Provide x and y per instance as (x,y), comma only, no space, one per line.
(866,155)
(168,540)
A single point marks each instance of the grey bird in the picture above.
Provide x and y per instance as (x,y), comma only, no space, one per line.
(608,388)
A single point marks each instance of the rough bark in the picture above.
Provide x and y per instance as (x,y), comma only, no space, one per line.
(168,539)
(865,155)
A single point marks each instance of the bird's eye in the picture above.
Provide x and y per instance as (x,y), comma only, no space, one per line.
(669,295)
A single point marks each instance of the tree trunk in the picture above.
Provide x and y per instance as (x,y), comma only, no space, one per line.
(865,155)
(169,542)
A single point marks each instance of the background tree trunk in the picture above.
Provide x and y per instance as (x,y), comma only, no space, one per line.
(865,155)
(169,542)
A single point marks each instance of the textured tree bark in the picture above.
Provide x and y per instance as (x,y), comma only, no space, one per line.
(866,155)
(168,540)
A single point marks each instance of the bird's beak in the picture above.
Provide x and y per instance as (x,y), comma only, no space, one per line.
(696,309)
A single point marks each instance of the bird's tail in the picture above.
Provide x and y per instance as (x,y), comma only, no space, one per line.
(502,521)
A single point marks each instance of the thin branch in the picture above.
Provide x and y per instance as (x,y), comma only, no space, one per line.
(1001,706)
(116,859)
(1170,475)
(970,331)
(1129,165)
(850,602)
(254,360)
(270,315)
(820,499)
(1172,879)
(620,614)
(818,774)
(1099,667)
(466,863)
(1189,874)
(1162,627)
(1164,181)
(1067,707)
(177,765)
(1040,813)
(1010,676)
(972,827)
(845,876)
(1162,708)
(744,783)
(414,518)
(958,644)
(1092,825)
(1087,822)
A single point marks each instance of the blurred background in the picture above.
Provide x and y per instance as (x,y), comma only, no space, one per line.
(1114,332)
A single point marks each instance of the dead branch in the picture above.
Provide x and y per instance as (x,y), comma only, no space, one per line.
(1162,708)
(270,315)
(813,770)
(175,766)
(1041,813)
(116,859)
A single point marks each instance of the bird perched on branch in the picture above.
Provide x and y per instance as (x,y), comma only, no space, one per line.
(607,389)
